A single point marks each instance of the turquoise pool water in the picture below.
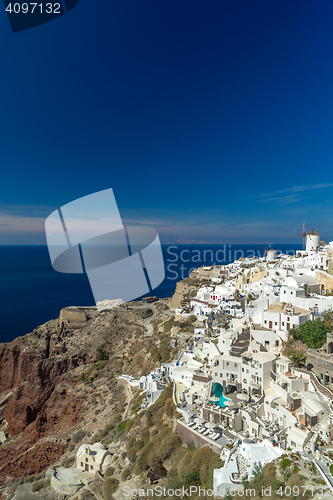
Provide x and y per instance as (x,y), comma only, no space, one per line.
(218,392)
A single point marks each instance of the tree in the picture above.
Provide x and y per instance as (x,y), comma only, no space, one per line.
(312,333)
(298,358)
(257,469)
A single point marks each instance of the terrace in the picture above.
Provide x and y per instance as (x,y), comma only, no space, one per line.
(206,431)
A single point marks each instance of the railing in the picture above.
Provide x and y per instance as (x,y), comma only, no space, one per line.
(318,385)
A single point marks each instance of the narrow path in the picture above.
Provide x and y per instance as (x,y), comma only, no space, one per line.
(129,397)
(146,323)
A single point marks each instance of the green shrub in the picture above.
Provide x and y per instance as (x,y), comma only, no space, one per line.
(185,467)
(101,355)
(109,472)
(83,377)
(110,486)
(29,479)
(192,479)
(284,463)
(38,485)
(138,445)
(130,442)
(125,473)
(168,446)
(131,455)
(141,464)
(78,436)
(130,424)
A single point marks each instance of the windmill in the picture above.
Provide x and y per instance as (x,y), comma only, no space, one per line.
(303,234)
(266,248)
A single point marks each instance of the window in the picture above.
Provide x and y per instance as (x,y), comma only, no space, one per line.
(92,467)
(227,363)
(81,464)
(292,293)
(243,371)
(266,342)
(275,323)
(321,376)
(276,343)
(288,319)
(265,321)
(260,366)
(247,371)
(285,291)
(291,442)
(86,460)
(227,374)
(235,365)
(220,375)
(282,323)
(216,374)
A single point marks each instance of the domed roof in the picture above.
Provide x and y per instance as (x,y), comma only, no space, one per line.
(97,446)
(315,405)
(325,426)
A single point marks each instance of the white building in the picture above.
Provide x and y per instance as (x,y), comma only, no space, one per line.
(92,458)
(312,241)
(280,316)
(256,370)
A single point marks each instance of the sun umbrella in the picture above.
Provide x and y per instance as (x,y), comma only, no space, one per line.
(243,397)
(199,420)
(189,414)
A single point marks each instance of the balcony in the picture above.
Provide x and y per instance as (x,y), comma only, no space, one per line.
(255,385)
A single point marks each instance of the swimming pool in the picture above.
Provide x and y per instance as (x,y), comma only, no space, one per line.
(218,391)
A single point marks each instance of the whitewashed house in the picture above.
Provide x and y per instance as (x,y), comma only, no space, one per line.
(92,458)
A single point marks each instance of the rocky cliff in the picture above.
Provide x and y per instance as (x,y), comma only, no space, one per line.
(184,291)
(59,377)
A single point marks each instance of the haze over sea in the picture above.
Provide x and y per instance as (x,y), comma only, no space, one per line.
(31,292)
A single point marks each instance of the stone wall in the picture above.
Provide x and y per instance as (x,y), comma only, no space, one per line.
(72,316)
(189,436)
(99,481)
(322,365)
(202,378)
(324,279)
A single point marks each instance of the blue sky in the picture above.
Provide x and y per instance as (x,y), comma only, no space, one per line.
(211,121)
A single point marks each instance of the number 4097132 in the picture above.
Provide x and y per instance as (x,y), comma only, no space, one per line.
(30,8)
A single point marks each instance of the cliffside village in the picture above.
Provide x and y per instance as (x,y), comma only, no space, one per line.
(237,392)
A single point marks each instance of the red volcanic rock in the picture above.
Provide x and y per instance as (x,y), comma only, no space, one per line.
(38,407)
(30,397)
(15,365)
(23,460)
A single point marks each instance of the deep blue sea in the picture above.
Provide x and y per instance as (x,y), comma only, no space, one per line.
(31,292)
